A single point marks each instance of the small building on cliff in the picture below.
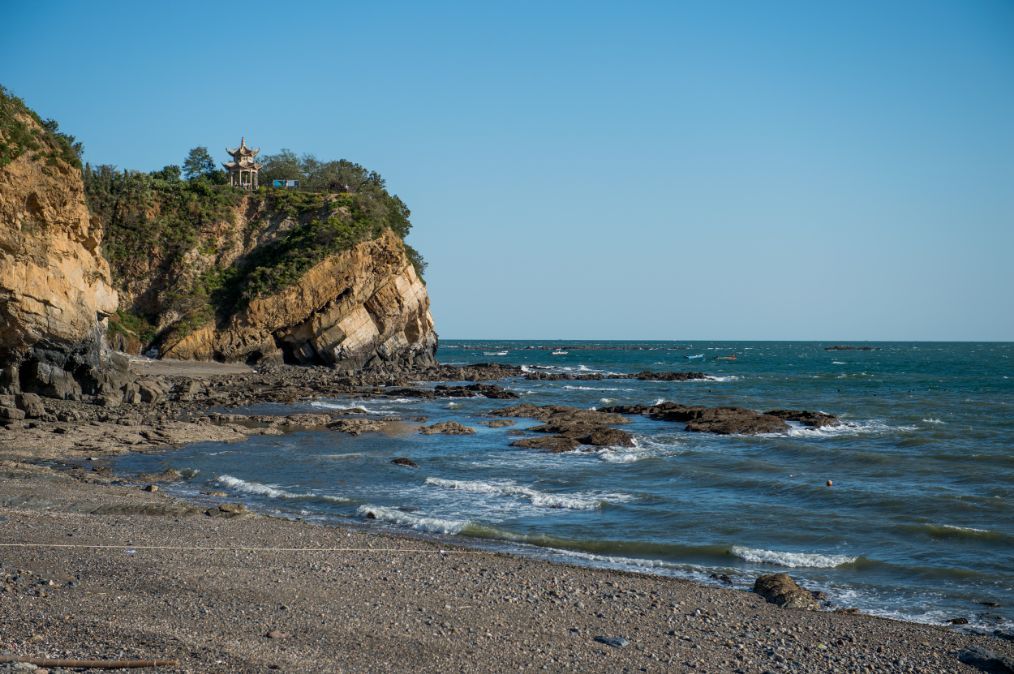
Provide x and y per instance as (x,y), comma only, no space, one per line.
(243,169)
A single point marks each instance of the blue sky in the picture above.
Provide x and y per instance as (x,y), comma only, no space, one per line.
(670,170)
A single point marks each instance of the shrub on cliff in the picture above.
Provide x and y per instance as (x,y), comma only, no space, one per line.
(17,137)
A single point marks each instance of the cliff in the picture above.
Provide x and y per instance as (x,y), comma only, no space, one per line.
(208,272)
(55,285)
(358,309)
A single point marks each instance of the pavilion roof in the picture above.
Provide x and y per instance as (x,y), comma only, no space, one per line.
(243,150)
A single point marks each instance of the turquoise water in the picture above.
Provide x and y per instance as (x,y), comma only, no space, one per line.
(918,524)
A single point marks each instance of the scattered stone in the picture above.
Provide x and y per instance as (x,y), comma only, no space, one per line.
(615,642)
(151,487)
(958,621)
(277,634)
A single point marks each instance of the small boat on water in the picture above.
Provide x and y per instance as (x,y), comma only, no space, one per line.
(732,357)
(696,356)
(559,352)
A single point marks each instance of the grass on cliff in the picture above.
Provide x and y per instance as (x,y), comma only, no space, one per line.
(45,142)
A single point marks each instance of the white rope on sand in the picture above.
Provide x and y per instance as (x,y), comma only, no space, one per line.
(185,548)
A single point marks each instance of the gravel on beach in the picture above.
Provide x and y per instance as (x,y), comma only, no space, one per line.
(239,592)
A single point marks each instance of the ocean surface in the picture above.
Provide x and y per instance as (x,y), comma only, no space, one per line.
(917,526)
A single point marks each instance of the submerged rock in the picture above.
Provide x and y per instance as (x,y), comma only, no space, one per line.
(403,461)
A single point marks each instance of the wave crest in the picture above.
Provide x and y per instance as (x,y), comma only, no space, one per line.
(791,560)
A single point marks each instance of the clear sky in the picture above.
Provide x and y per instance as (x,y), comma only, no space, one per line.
(625,170)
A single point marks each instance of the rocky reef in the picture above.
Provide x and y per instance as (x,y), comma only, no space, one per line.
(55,287)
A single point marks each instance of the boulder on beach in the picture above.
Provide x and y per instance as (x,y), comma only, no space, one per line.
(780,589)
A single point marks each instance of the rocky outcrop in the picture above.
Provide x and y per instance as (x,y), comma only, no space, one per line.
(55,289)
(568,428)
(727,420)
(361,308)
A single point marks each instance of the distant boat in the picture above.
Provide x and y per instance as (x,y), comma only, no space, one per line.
(559,352)
(695,356)
(732,357)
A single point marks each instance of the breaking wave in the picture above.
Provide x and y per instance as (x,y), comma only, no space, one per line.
(418,522)
(792,560)
(537,498)
(273,491)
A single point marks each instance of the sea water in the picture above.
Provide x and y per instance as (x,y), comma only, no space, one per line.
(918,524)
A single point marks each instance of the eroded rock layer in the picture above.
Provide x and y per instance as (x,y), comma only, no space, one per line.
(55,289)
(361,308)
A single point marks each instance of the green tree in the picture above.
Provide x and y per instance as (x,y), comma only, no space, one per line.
(198,164)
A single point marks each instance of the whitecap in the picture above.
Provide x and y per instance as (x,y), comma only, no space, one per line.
(792,560)
(932,420)
(726,378)
(271,490)
(413,520)
(537,498)
(838,362)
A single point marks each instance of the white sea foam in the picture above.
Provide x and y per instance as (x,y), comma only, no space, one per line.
(872,426)
(258,488)
(838,362)
(570,387)
(341,457)
(726,378)
(271,490)
(792,560)
(416,521)
(931,420)
(537,498)
(969,529)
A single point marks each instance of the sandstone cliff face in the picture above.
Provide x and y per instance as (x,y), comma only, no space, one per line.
(55,288)
(361,308)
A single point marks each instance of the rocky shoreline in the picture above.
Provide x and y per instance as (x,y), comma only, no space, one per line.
(215,583)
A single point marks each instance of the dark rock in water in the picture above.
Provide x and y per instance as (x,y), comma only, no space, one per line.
(587,427)
(499,423)
(607,437)
(647,375)
(986,660)
(561,413)
(848,347)
(445,391)
(734,420)
(781,590)
(615,642)
(356,427)
(551,443)
(447,428)
(726,420)
(958,621)
(811,419)
(722,578)
(403,461)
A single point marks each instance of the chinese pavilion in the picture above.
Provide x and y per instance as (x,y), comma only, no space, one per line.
(243,169)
